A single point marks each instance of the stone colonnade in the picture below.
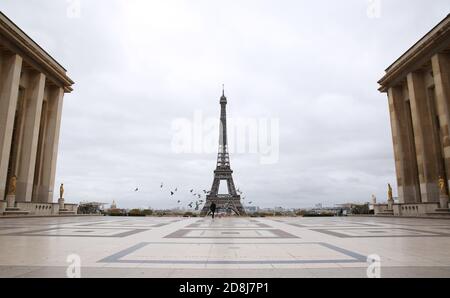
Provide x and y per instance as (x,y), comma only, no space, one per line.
(420,115)
(30,118)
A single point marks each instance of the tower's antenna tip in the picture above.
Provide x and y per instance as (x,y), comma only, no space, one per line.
(223,89)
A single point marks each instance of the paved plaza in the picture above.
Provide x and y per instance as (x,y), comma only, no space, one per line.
(226,247)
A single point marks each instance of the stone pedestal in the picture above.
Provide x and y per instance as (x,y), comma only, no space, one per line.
(61,204)
(10,201)
(62,208)
(390,204)
(11,208)
(444,201)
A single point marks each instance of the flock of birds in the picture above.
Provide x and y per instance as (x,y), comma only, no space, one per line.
(197,196)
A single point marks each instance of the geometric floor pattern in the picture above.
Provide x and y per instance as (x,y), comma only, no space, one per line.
(224,247)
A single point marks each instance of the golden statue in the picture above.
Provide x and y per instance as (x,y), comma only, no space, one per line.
(61,191)
(390,196)
(442,186)
(12,186)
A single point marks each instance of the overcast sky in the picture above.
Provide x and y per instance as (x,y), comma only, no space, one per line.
(142,65)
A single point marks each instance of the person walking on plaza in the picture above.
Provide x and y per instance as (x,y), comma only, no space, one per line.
(213,209)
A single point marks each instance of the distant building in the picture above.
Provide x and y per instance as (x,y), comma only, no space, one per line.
(346,205)
(251,209)
(346,208)
(91,208)
(373,202)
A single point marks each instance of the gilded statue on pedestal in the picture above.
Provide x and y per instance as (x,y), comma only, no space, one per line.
(12,186)
(442,186)
(61,191)
(390,196)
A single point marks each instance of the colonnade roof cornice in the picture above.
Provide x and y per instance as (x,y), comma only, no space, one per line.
(19,39)
(438,39)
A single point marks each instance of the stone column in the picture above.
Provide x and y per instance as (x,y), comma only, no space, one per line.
(50,150)
(11,66)
(404,150)
(34,96)
(426,145)
(441,76)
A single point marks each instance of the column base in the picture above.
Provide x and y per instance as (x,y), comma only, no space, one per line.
(443,201)
(386,212)
(62,208)
(443,210)
(10,201)
(15,212)
(11,208)
(441,213)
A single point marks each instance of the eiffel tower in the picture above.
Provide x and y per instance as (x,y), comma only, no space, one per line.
(223,172)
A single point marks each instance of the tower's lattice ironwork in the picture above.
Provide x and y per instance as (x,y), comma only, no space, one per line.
(231,200)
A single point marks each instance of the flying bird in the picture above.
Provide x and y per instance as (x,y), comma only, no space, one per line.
(197,205)
(136,190)
(172,193)
(192,190)
(162,185)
